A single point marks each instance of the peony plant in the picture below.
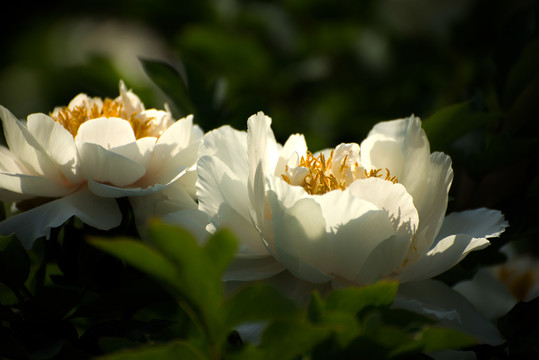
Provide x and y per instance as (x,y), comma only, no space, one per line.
(79,158)
(349,215)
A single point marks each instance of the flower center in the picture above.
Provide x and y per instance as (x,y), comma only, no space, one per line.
(520,283)
(72,119)
(318,179)
(318,175)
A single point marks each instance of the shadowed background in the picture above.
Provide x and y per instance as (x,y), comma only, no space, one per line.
(327,69)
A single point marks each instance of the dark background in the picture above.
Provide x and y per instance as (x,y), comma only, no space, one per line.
(328,69)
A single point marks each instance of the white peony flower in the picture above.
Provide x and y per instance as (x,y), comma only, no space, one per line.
(349,215)
(76,160)
(495,289)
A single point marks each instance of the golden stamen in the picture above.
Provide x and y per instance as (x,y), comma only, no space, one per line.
(376,173)
(72,119)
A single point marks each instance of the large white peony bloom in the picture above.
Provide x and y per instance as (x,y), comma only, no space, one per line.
(76,160)
(349,215)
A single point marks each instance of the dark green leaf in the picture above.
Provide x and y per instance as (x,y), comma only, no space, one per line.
(434,339)
(220,249)
(448,124)
(14,262)
(141,256)
(173,351)
(288,340)
(257,303)
(169,80)
(353,300)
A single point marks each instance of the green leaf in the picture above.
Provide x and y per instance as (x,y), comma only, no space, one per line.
(438,338)
(220,249)
(522,73)
(353,300)
(289,340)
(174,350)
(450,123)
(316,307)
(141,256)
(14,262)
(257,303)
(199,268)
(169,80)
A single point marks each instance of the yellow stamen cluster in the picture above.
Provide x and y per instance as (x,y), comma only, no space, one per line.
(324,177)
(376,173)
(72,119)
(320,180)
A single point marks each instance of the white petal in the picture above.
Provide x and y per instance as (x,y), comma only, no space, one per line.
(160,204)
(193,220)
(101,213)
(169,169)
(27,149)
(384,259)
(109,191)
(131,102)
(225,199)
(9,163)
(217,185)
(106,166)
(445,254)
(431,201)
(174,139)
(477,223)
(57,141)
(354,227)
(261,144)
(145,147)
(187,182)
(402,147)
(294,145)
(399,145)
(110,133)
(32,185)
(230,146)
(438,301)
(300,236)
(472,228)
(393,198)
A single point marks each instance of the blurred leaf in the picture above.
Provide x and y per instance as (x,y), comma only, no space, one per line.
(54,302)
(173,351)
(353,300)
(289,340)
(169,80)
(256,303)
(141,256)
(199,268)
(448,124)
(191,271)
(436,338)
(220,250)
(236,55)
(315,309)
(522,72)
(14,262)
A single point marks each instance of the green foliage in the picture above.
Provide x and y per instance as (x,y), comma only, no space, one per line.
(327,70)
(333,326)
(171,83)
(14,262)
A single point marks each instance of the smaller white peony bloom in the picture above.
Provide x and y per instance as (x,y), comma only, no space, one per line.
(495,289)
(350,215)
(76,160)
